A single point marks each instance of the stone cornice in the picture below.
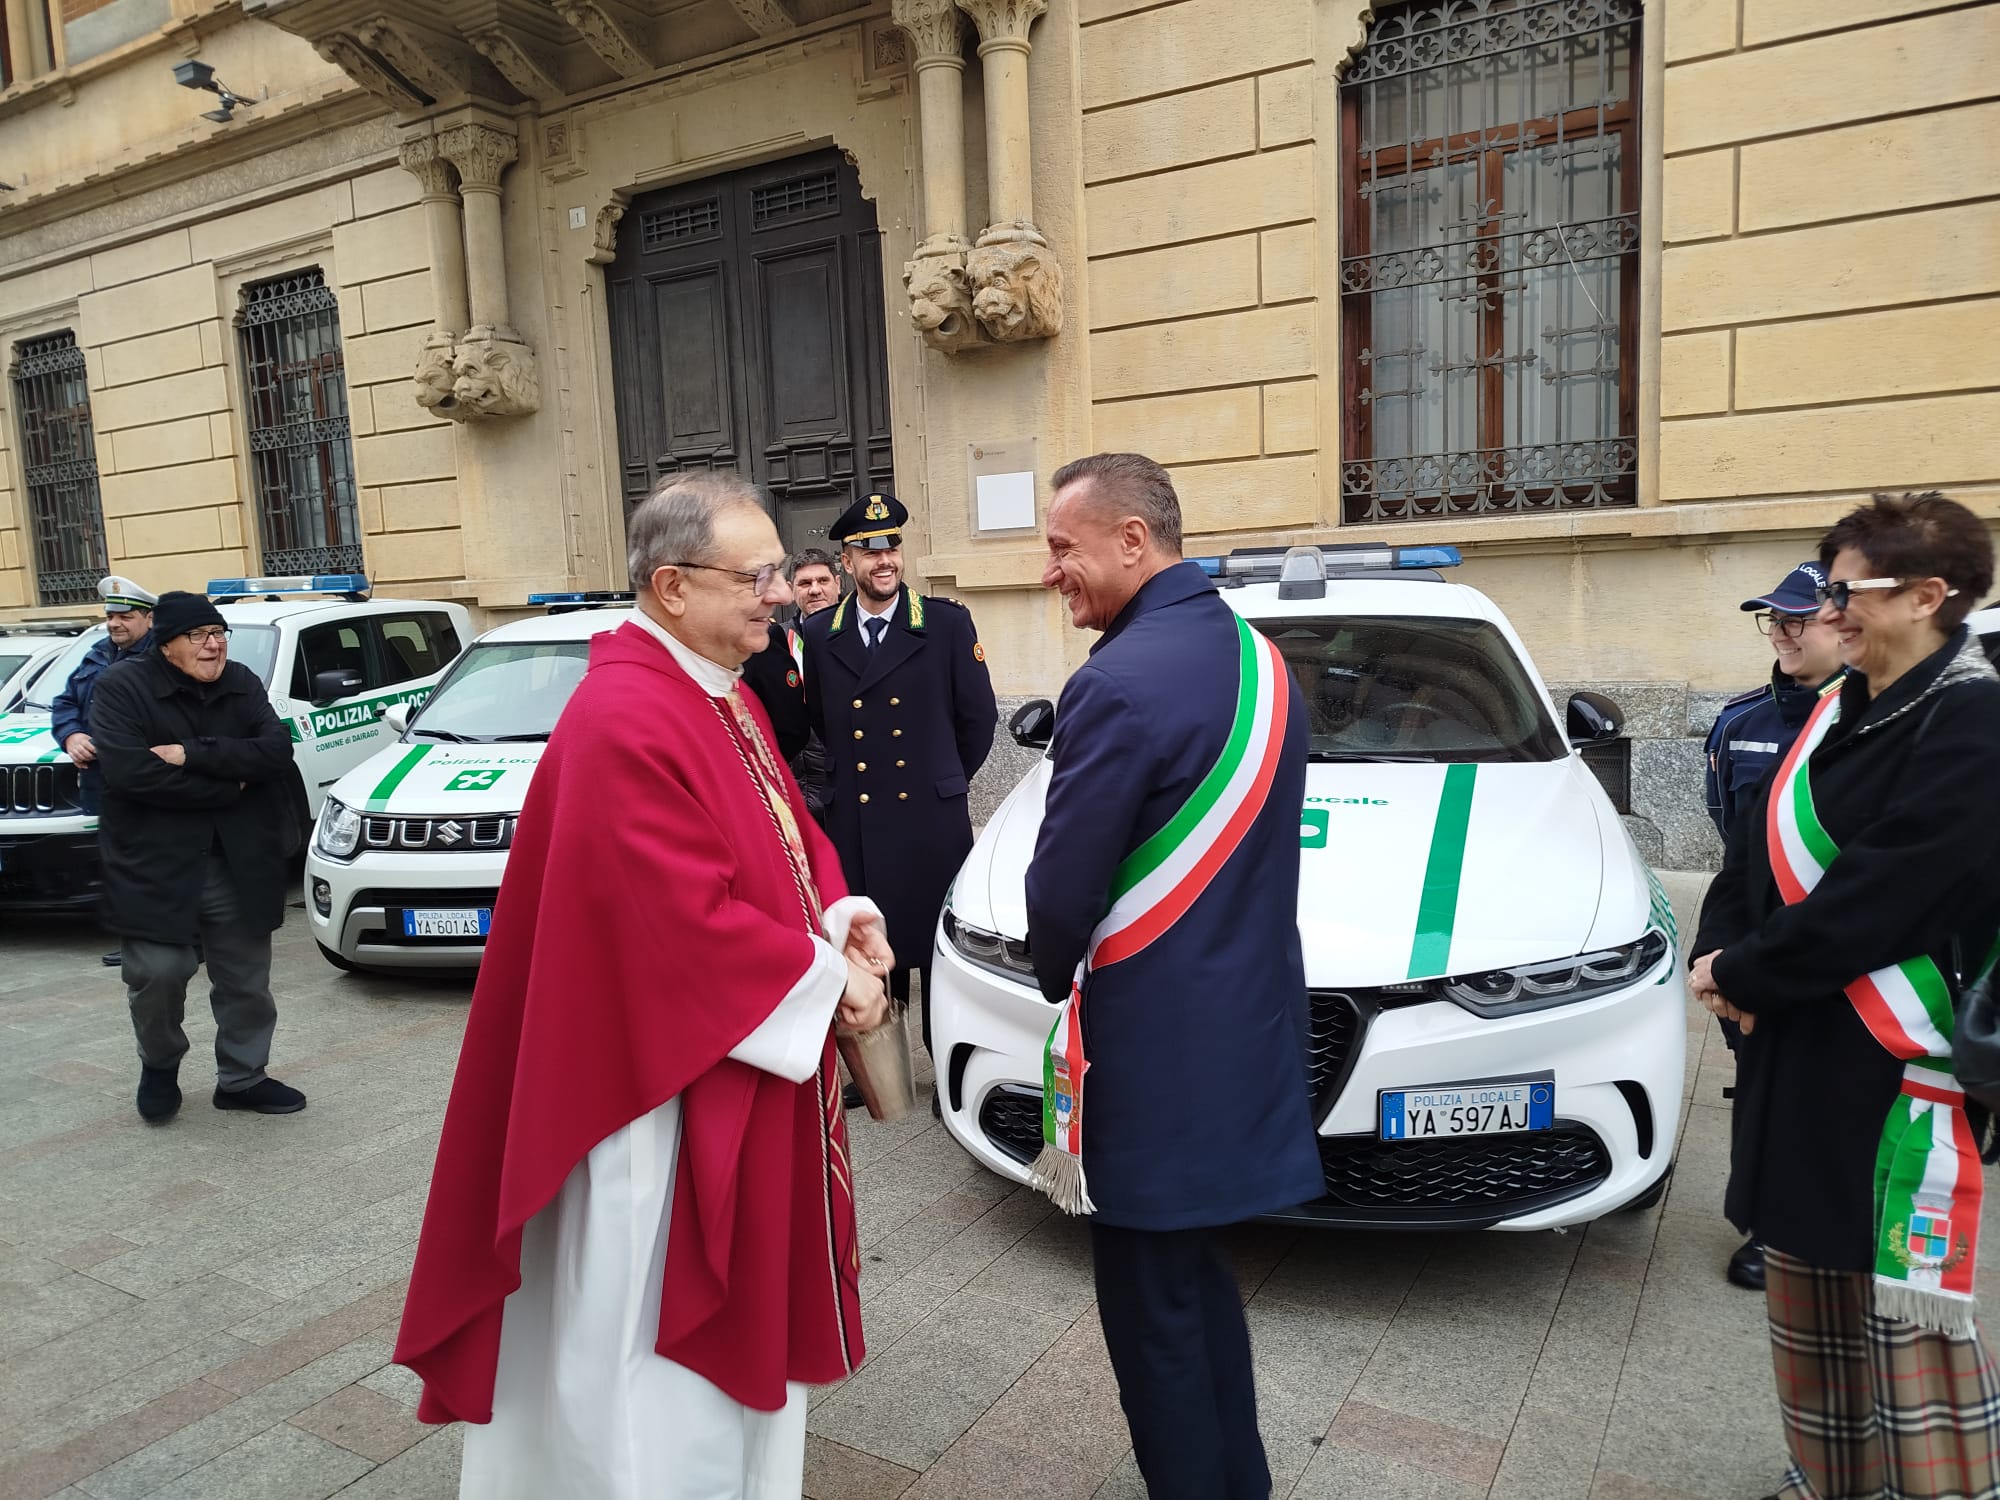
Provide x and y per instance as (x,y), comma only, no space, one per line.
(197,150)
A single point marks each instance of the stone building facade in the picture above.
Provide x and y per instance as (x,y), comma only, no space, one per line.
(435,288)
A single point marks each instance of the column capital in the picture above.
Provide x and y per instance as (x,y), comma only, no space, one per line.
(936,27)
(422,160)
(1003,23)
(481,154)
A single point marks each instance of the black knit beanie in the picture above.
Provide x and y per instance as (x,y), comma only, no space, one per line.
(179,612)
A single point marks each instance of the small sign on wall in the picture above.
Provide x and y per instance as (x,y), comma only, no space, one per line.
(1001,481)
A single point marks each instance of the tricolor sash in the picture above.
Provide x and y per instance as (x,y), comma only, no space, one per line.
(1153,888)
(1928,1183)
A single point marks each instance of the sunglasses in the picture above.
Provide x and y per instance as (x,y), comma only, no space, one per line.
(1841,594)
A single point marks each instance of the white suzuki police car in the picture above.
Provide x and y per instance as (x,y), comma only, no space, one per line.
(1498,1005)
(406,859)
(334,660)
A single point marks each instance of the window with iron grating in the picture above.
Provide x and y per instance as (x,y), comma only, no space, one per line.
(681,223)
(59,464)
(1489,259)
(301,455)
(801,198)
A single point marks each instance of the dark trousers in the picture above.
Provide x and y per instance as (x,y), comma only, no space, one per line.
(156,979)
(1173,1323)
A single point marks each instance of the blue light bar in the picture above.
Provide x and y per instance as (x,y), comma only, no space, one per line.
(555,598)
(303,583)
(566,599)
(1265,562)
(1428,557)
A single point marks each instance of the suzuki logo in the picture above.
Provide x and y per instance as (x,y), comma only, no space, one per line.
(449,832)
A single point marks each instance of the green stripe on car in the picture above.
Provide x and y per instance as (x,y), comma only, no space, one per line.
(378,800)
(1437,909)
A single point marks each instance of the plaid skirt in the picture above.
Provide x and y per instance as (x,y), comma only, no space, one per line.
(1876,1408)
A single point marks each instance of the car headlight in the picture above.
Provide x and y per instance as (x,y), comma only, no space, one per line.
(339,830)
(1561,981)
(1005,956)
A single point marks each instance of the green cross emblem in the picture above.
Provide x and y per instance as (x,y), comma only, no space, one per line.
(1312,828)
(478,780)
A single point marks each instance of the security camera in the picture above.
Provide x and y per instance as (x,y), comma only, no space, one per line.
(196,75)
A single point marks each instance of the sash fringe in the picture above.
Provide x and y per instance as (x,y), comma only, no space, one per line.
(1060,1175)
(1942,1312)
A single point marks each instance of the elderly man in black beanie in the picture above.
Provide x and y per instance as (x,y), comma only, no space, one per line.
(197,776)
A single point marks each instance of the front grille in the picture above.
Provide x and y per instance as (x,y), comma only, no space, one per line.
(1011,1118)
(1338,1021)
(438,835)
(396,900)
(1504,1173)
(39,789)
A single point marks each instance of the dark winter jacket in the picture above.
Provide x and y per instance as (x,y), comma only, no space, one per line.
(1908,788)
(236,794)
(69,710)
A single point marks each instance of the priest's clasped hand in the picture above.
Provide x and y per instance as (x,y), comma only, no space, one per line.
(868,944)
(865,1005)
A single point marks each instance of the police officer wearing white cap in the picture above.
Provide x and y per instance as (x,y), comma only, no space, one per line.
(128,622)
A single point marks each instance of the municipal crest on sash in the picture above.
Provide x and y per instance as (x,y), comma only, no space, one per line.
(792,678)
(1064,1093)
(1925,1243)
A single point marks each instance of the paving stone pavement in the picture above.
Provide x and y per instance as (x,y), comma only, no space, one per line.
(206,1310)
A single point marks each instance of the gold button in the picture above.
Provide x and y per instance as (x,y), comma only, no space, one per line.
(902,796)
(893,703)
(857,733)
(864,796)
(862,766)
(899,765)
(896,733)
(857,703)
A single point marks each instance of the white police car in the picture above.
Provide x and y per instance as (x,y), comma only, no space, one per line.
(334,660)
(1498,1004)
(407,856)
(23,653)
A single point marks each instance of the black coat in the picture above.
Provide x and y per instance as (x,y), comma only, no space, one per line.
(1908,787)
(773,676)
(918,713)
(236,793)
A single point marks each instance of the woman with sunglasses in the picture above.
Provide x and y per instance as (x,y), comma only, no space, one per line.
(1859,895)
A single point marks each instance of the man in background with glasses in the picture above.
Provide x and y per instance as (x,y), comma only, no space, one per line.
(197,807)
(1752,734)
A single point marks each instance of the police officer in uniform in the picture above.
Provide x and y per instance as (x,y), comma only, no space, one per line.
(1752,734)
(898,693)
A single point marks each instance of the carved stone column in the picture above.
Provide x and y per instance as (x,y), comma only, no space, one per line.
(447,236)
(940,296)
(1017,284)
(493,369)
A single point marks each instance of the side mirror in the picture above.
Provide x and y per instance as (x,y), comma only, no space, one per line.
(1593,717)
(397,717)
(1033,724)
(339,683)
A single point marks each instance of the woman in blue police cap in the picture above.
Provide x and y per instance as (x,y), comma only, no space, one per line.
(897,690)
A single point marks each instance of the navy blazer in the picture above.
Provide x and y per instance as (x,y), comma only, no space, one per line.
(905,727)
(1196,1107)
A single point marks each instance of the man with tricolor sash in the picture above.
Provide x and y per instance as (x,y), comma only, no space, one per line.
(1162,916)
(1859,897)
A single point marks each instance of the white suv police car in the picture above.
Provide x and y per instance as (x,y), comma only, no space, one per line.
(406,859)
(334,660)
(1498,1004)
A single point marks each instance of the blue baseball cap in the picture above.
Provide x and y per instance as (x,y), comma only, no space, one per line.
(1797,595)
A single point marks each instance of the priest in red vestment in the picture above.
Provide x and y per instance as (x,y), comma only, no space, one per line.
(640,1244)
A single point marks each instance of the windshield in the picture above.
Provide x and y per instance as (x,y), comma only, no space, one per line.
(504,691)
(256,647)
(49,681)
(10,663)
(1422,689)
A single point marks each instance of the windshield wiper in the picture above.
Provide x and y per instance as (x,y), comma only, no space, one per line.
(1344,757)
(514,739)
(446,734)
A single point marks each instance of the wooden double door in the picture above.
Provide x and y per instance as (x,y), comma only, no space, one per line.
(747,333)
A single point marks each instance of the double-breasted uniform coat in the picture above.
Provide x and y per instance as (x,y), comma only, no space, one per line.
(906,725)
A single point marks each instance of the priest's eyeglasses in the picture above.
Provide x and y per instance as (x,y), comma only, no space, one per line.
(1791,627)
(760,580)
(201,637)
